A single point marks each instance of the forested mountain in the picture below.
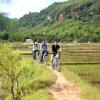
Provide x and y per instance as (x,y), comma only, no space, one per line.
(7,26)
(82,9)
(66,21)
(4,22)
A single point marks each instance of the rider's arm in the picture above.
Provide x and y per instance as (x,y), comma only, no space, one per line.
(40,46)
(60,50)
(33,47)
(47,45)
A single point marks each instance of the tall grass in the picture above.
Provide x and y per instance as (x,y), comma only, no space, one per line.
(35,86)
(81,65)
(42,79)
(88,90)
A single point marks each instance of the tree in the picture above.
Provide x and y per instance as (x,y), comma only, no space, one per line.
(12,73)
(4,22)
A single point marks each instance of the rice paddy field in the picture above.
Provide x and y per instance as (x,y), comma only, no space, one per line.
(84,60)
(81,59)
(81,64)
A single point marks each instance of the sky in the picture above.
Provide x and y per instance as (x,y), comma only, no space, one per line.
(18,8)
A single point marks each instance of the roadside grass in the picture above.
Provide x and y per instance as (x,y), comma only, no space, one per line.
(81,65)
(38,95)
(37,83)
(35,79)
(87,90)
(41,80)
(23,51)
(82,74)
(80,58)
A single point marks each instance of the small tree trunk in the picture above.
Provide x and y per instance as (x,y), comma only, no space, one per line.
(12,91)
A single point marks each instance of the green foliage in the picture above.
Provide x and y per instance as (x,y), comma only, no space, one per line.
(82,27)
(4,21)
(21,78)
(15,77)
(7,24)
(84,76)
(81,65)
(80,22)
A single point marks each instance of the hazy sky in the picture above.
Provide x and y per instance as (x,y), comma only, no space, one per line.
(17,8)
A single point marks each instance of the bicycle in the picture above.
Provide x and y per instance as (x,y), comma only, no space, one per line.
(36,55)
(44,60)
(56,62)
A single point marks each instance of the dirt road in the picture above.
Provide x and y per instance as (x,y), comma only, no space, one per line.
(62,89)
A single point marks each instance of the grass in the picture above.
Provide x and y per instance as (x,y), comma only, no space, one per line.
(81,58)
(36,84)
(42,79)
(91,73)
(38,95)
(81,65)
(88,91)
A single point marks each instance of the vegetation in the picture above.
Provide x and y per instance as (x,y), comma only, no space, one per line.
(86,76)
(81,65)
(70,21)
(21,78)
(66,21)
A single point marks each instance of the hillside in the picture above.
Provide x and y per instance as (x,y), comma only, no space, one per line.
(83,10)
(77,20)
(66,21)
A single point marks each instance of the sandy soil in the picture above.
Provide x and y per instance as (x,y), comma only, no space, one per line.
(63,90)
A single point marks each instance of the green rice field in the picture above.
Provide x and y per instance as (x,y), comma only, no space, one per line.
(83,60)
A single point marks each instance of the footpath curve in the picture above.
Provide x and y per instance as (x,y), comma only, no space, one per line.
(61,89)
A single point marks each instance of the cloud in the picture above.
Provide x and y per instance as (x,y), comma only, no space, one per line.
(5,1)
(17,8)
(20,7)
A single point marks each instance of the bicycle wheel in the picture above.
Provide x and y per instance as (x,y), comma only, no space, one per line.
(56,64)
(44,59)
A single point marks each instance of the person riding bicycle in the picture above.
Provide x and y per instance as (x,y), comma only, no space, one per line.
(44,50)
(35,50)
(55,49)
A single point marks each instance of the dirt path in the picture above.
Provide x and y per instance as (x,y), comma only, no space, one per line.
(62,89)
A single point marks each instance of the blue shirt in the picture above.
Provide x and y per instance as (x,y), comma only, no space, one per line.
(44,47)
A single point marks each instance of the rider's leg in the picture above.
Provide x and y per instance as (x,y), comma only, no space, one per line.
(42,56)
(59,63)
(35,55)
(56,62)
(45,54)
(59,66)
(38,54)
(52,60)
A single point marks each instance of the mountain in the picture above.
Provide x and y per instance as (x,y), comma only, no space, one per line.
(4,21)
(81,9)
(77,20)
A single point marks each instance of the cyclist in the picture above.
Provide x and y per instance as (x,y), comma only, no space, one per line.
(55,49)
(44,50)
(35,50)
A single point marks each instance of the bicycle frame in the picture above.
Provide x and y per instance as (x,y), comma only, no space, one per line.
(44,60)
(56,62)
